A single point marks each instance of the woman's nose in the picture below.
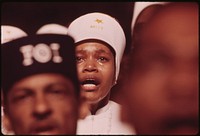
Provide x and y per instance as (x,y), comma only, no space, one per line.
(90,66)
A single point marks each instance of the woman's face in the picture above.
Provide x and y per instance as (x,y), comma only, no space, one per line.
(96,70)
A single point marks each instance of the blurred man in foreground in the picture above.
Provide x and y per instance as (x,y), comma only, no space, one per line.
(40,85)
(161,86)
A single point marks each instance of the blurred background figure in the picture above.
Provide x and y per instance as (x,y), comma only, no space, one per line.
(9,33)
(139,7)
(161,84)
(52,29)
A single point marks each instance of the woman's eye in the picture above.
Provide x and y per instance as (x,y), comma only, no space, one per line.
(102,59)
(79,59)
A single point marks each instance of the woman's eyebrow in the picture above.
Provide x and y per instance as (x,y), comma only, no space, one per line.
(97,51)
(81,51)
(102,51)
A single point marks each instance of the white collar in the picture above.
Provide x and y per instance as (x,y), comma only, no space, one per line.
(102,110)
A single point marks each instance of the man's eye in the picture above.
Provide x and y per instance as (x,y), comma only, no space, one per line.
(20,97)
(61,91)
(57,91)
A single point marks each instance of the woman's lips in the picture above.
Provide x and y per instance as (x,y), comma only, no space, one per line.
(90,84)
(89,87)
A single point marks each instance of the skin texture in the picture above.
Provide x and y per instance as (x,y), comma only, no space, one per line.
(95,61)
(42,104)
(162,90)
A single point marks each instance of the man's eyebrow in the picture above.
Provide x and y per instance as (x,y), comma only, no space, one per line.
(62,84)
(67,86)
(57,84)
(17,89)
(20,90)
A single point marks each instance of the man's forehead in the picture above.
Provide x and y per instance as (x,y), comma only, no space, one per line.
(41,82)
(174,16)
(171,23)
(47,77)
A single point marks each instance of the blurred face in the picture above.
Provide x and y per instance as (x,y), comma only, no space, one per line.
(43,104)
(162,97)
(96,70)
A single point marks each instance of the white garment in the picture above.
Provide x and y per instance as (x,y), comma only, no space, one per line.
(105,121)
(4,131)
(139,7)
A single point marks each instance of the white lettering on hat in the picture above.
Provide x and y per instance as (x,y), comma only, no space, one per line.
(96,27)
(55,48)
(41,53)
(27,53)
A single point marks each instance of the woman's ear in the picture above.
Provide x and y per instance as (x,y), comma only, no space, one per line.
(84,108)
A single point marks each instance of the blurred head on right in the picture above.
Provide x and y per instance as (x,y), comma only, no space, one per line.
(161,85)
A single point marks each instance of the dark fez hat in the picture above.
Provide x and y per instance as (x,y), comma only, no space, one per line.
(46,53)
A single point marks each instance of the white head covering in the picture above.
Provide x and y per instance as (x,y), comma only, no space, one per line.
(52,29)
(139,7)
(102,27)
(9,33)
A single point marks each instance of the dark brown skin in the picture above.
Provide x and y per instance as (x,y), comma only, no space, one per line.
(161,89)
(43,104)
(95,61)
